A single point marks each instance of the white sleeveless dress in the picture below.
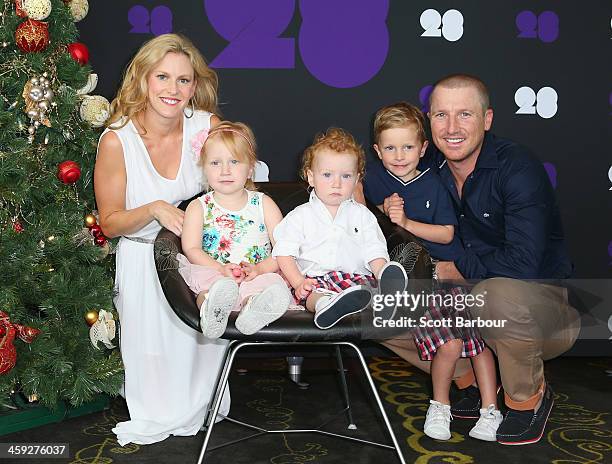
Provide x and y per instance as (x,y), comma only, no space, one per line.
(170,369)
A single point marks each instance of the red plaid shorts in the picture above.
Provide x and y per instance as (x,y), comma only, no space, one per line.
(429,339)
(337,281)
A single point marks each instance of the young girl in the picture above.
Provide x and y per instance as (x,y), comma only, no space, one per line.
(227,238)
(330,248)
(423,207)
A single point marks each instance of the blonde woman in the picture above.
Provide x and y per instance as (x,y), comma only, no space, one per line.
(144,168)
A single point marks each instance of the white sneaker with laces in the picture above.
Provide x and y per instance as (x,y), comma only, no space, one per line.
(217,305)
(264,308)
(437,421)
(486,427)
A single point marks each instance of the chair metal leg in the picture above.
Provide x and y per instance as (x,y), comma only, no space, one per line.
(366,371)
(222,383)
(217,384)
(219,390)
(345,393)
(294,368)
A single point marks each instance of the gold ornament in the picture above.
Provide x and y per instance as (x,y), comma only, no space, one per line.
(90,220)
(32,398)
(91,317)
(79,9)
(95,110)
(36,9)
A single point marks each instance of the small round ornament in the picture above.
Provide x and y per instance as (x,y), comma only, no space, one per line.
(91,317)
(79,52)
(90,220)
(95,230)
(100,240)
(68,172)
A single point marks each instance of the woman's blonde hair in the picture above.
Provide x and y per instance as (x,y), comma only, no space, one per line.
(335,139)
(132,95)
(239,140)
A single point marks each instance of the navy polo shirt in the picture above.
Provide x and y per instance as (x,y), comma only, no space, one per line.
(425,200)
(509,220)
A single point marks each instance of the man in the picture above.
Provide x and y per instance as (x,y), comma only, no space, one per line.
(510,227)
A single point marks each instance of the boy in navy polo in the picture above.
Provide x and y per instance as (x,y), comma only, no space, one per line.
(422,204)
(419,202)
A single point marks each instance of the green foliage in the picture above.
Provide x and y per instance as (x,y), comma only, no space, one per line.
(52,273)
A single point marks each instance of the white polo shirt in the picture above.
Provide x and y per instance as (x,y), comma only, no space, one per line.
(321,244)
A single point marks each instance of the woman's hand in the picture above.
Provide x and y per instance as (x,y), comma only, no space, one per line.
(168,216)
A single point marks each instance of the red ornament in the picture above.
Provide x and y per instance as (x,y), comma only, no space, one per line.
(19,11)
(25,333)
(68,172)
(32,36)
(79,52)
(100,240)
(8,354)
(95,230)
(8,330)
(17,226)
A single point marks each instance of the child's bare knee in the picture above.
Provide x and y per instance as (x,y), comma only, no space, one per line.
(451,349)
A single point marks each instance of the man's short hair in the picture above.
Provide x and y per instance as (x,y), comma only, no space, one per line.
(457,81)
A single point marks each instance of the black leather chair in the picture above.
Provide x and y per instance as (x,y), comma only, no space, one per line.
(295,328)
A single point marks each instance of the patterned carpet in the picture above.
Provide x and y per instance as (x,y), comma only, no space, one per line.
(579,430)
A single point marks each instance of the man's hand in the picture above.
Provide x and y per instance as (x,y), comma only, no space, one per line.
(446,270)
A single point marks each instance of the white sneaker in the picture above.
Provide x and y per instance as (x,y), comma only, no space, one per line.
(437,421)
(486,427)
(218,304)
(264,308)
(332,306)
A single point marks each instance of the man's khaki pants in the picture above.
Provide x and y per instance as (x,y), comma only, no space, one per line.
(539,325)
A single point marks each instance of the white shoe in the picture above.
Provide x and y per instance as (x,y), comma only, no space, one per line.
(215,309)
(437,421)
(486,427)
(264,308)
(332,306)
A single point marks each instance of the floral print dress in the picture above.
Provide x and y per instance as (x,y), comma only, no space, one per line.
(235,236)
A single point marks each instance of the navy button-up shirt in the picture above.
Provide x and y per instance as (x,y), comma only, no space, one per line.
(509,221)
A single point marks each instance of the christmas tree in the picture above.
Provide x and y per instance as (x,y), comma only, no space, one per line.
(56,275)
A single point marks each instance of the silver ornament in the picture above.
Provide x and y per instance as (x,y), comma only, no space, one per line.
(34,81)
(43,105)
(36,93)
(48,94)
(31,130)
(33,114)
(37,124)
